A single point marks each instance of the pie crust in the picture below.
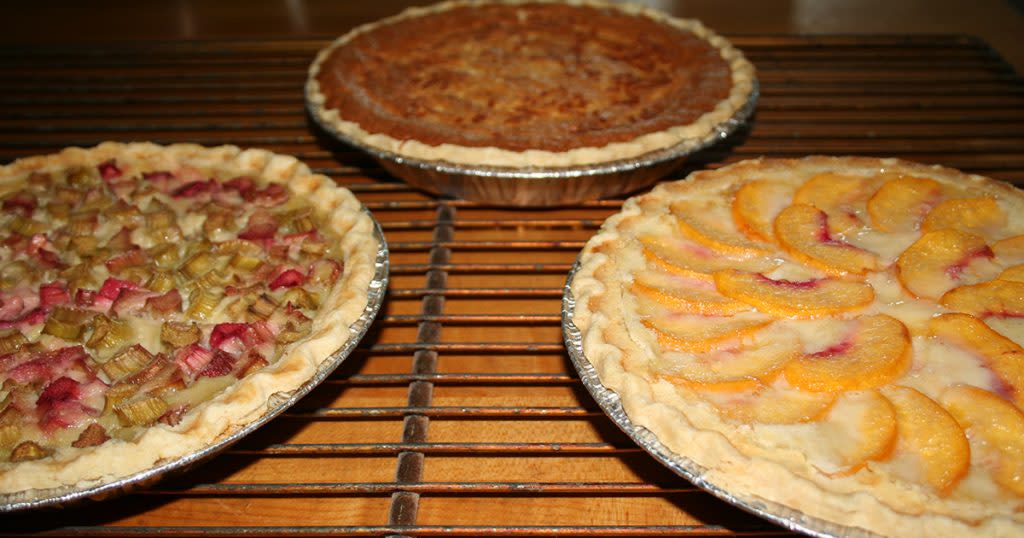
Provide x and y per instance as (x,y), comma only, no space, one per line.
(581,83)
(249,398)
(787,463)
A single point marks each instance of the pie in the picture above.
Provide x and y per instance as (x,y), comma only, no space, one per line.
(839,336)
(156,299)
(518,84)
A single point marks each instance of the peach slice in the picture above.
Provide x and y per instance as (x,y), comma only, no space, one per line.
(694,260)
(684,295)
(1009,251)
(939,261)
(803,299)
(900,204)
(994,427)
(712,226)
(875,352)
(696,333)
(755,206)
(803,232)
(838,195)
(1000,354)
(770,405)
(1015,273)
(860,427)
(1000,298)
(932,436)
(979,216)
(757,357)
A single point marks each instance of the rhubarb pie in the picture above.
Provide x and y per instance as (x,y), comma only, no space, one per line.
(156,299)
(838,336)
(528,84)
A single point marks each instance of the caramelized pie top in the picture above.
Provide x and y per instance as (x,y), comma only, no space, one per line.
(520,77)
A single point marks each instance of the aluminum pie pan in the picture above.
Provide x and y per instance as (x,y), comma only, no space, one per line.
(543,186)
(277,404)
(683,466)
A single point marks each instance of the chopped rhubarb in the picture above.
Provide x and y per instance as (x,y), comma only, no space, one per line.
(173,416)
(130,300)
(261,225)
(272,195)
(85,298)
(194,188)
(11,307)
(112,288)
(93,435)
(134,256)
(165,304)
(325,272)
(221,364)
(288,279)
(121,241)
(60,405)
(109,170)
(28,319)
(251,362)
(53,293)
(234,337)
(192,359)
(22,201)
(242,184)
(44,366)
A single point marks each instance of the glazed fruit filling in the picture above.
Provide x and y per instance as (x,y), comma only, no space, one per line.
(129,299)
(869,321)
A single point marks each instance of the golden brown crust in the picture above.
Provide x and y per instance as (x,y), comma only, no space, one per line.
(675,83)
(749,465)
(251,397)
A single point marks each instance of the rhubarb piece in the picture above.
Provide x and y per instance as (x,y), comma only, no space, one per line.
(203,303)
(261,226)
(302,298)
(177,335)
(251,362)
(11,340)
(28,451)
(802,299)
(287,279)
(93,435)
(263,307)
(192,359)
(108,334)
(127,362)
(221,364)
(324,272)
(197,265)
(141,412)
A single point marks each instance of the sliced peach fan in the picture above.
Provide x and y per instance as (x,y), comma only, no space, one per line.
(999,424)
(939,261)
(1000,354)
(755,206)
(712,227)
(758,357)
(998,298)
(980,216)
(683,297)
(900,204)
(839,196)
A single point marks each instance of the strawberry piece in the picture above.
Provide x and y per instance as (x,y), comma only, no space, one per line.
(109,170)
(53,293)
(194,188)
(288,279)
(166,303)
(261,225)
(192,359)
(22,202)
(221,364)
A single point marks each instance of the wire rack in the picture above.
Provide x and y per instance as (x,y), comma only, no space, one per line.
(460,413)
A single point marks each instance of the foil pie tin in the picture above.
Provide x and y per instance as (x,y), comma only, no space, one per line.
(277,404)
(541,186)
(683,466)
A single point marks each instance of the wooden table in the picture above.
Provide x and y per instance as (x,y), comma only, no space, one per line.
(460,413)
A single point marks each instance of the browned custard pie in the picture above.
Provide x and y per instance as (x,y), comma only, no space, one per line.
(528,83)
(156,298)
(837,336)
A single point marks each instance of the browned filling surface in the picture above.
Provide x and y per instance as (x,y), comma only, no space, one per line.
(550,77)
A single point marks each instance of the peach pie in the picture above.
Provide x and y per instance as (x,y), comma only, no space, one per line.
(839,336)
(156,299)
